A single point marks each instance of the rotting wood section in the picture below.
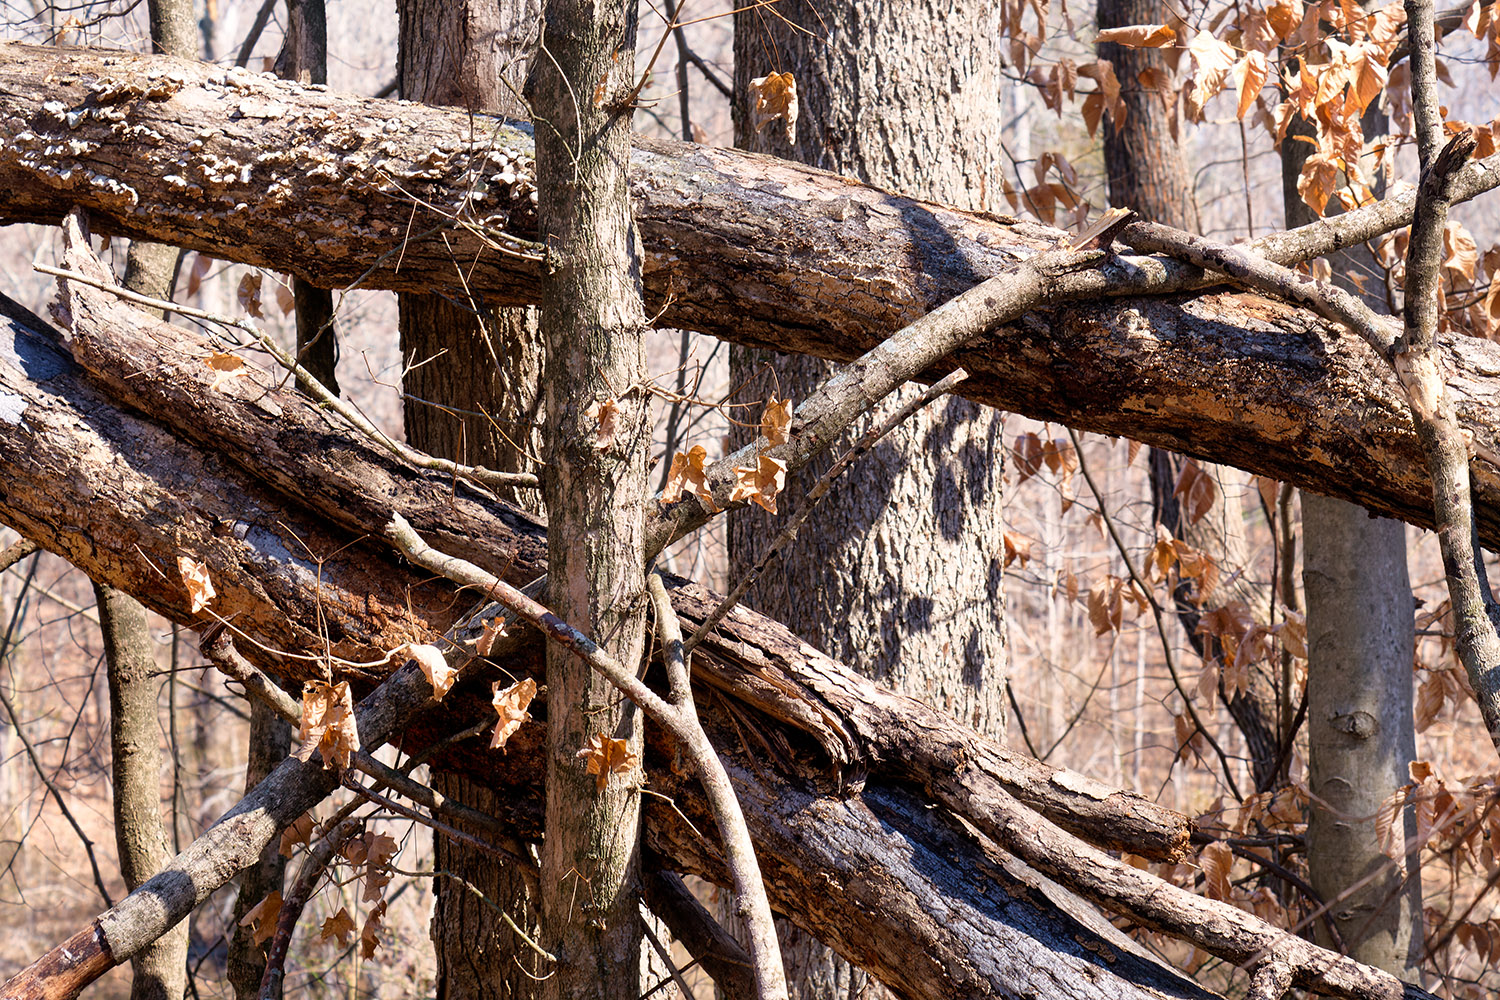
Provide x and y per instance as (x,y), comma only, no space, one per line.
(749,248)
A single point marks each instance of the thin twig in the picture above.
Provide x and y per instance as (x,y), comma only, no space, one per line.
(1156,614)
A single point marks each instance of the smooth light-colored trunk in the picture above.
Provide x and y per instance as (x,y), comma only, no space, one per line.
(1360,638)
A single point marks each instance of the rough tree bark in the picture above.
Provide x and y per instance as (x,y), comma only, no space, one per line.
(780,256)
(877,573)
(597,444)
(471,386)
(1360,645)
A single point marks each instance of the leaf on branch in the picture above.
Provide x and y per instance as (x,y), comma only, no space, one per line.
(607,756)
(493,629)
(249,294)
(340,926)
(688,470)
(1285,17)
(1102,72)
(761,482)
(775,96)
(286,299)
(300,832)
(1016,547)
(776,420)
(201,266)
(195,578)
(1212,60)
(328,724)
(261,918)
(603,413)
(1460,253)
(1249,76)
(371,853)
(1026,455)
(369,938)
(434,667)
(226,367)
(510,704)
(1149,36)
(1196,491)
(1216,860)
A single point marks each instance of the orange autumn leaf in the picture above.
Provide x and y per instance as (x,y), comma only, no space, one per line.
(688,470)
(775,420)
(226,368)
(261,918)
(510,704)
(607,756)
(1212,61)
(1250,75)
(1148,36)
(369,937)
(328,723)
(434,666)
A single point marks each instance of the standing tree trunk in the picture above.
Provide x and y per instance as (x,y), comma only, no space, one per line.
(900,562)
(471,390)
(160,971)
(598,439)
(1360,639)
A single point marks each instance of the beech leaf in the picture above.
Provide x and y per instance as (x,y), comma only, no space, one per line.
(199,587)
(1150,36)
(775,96)
(607,756)
(249,294)
(510,704)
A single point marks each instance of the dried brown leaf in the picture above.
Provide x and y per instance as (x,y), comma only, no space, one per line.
(760,483)
(195,578)
(248,294)
(434,667)
(774,96)
(1149,36)
(261,918)
(607,756)
(340,926)
(510,704)
(603,412)
(775,421)
(689,470)
(328,723)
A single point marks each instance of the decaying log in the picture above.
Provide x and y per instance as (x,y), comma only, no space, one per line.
(103,464)
(900,870)
(749,248)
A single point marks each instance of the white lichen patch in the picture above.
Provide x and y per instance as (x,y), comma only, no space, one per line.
(12,408)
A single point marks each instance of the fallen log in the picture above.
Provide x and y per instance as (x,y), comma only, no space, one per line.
(107,467)
(755,250)
(880,844)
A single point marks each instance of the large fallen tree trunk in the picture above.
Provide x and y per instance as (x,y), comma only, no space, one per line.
(123,496)
(339,189)
(76,470)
